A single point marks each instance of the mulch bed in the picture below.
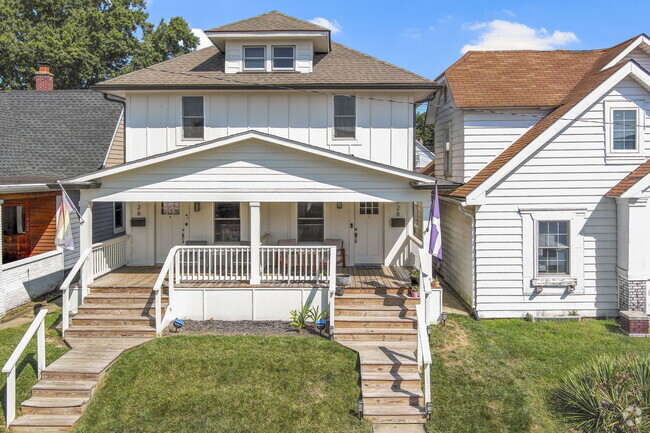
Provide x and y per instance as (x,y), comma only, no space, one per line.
(243,327)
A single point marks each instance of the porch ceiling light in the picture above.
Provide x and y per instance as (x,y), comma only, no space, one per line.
(197,206)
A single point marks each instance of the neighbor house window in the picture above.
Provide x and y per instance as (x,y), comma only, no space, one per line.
(624,129)
(13,220)
(553,247)
(254,58)
(193,120)
(227,222)
(446,149)
(311,222)
(118,217)
(345,116)
(284,58)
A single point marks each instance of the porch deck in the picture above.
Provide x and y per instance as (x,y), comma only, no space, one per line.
(362,277)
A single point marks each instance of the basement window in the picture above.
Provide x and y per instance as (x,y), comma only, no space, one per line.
(193,119)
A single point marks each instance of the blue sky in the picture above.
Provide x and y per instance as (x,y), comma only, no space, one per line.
(427,36)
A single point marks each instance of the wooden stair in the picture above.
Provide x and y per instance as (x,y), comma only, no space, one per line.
(380,324)
(110,321)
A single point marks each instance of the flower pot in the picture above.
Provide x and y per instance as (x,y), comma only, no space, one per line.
(343,280)
(340,290)
(414,293)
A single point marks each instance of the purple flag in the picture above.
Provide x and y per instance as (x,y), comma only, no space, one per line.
(435,233)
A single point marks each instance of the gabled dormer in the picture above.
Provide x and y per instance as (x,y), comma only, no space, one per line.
(270,43)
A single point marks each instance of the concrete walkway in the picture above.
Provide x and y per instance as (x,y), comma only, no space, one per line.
(27,316)
(398,428)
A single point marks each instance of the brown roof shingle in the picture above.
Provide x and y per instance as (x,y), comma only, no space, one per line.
(205,69)
(630,180)
(269,22)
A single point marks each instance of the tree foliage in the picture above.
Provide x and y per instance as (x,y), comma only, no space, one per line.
(85,41)
(423,132)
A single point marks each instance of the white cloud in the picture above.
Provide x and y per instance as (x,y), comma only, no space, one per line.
(204,42)
(332,25)
(508,12)
(412,33)
(509,35)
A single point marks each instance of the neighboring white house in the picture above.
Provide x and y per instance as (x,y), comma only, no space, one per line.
(541,141)
(275,136)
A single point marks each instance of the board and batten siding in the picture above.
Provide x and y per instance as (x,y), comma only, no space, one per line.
(384,129)
(457,250)
(569,172)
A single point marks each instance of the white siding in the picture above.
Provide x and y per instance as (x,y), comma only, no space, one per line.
(641,57)
(457,250)
(449,116)
(384,129)
(569,172)
(304,52)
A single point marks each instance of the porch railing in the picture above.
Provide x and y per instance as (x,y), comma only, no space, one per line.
(296,263)
(93,262)
(37,327)
(424,354)
(212,263)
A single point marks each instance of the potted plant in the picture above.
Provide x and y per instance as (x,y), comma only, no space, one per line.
(414,291)
(415,277)
(342,281)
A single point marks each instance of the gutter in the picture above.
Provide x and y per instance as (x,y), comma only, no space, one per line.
(270,86)
(24,187)
(74,185)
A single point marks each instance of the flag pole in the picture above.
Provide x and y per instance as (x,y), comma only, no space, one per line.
(74,208)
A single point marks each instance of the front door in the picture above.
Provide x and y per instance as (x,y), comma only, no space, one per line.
(172,219)
(368,233)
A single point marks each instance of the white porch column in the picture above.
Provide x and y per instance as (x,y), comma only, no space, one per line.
(86,241)
(256,225)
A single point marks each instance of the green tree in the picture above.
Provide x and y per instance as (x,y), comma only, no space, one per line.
(85,41)
(423,132)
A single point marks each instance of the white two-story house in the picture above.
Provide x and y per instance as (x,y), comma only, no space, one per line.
(551,148)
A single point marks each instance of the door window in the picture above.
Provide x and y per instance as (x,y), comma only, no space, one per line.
(369,208)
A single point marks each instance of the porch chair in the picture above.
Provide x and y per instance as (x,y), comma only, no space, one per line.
(340,251)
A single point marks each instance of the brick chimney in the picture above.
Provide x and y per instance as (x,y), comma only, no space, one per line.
(44,78)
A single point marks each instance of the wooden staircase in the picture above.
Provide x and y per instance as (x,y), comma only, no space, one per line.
(110,321)
(380,324)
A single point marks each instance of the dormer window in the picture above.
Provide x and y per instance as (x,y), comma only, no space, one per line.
(284,58)
(254,58)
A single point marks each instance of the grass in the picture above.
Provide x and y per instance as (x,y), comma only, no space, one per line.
(502,375)
(232,384)
(26,367)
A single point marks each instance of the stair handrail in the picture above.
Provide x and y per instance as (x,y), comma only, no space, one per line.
(332,288)
(167,268)
(424,355)
(37,327)
(65,286)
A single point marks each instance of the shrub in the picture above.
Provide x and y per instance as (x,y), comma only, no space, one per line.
(609,395)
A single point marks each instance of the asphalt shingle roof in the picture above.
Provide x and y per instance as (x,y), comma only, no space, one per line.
(51,135)
(269,22)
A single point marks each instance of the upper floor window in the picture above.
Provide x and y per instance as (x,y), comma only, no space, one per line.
(284,58)
(193,120)
(254,58)
(227,222)
(446,149)
(624,130)
(553,247)
(345,116)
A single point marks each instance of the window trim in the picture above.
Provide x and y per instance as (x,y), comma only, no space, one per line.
(273,57)
(183,138)
(552,284)
(623,156)
(297,207)
(341,140)
(447,153)
(214,224)
(243,58)
(117,229)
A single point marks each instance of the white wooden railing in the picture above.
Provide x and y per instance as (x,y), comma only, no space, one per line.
(167,272)
(93,262)
(108,256)
(297,263)
(37,327)
(424,354)
(212,263)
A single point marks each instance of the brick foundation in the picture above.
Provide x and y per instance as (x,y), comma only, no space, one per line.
(632,295)
(635,323)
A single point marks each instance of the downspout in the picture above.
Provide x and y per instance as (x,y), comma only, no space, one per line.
(474,312)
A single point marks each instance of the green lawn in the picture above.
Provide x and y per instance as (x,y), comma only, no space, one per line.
(26,367)
(501,375)
(229,384)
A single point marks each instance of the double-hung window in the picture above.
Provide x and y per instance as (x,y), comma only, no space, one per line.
(553,248)
(284,58)
(624,130)
(345,116)
(118,217)
(254,58)
(13,220)
(311,222)
(446,149)
(193,118)
(227,222)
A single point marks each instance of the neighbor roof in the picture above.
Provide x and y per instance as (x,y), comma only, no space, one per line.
(50,135)
(630,180)
(269,22)
(523,78)
(204,69)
